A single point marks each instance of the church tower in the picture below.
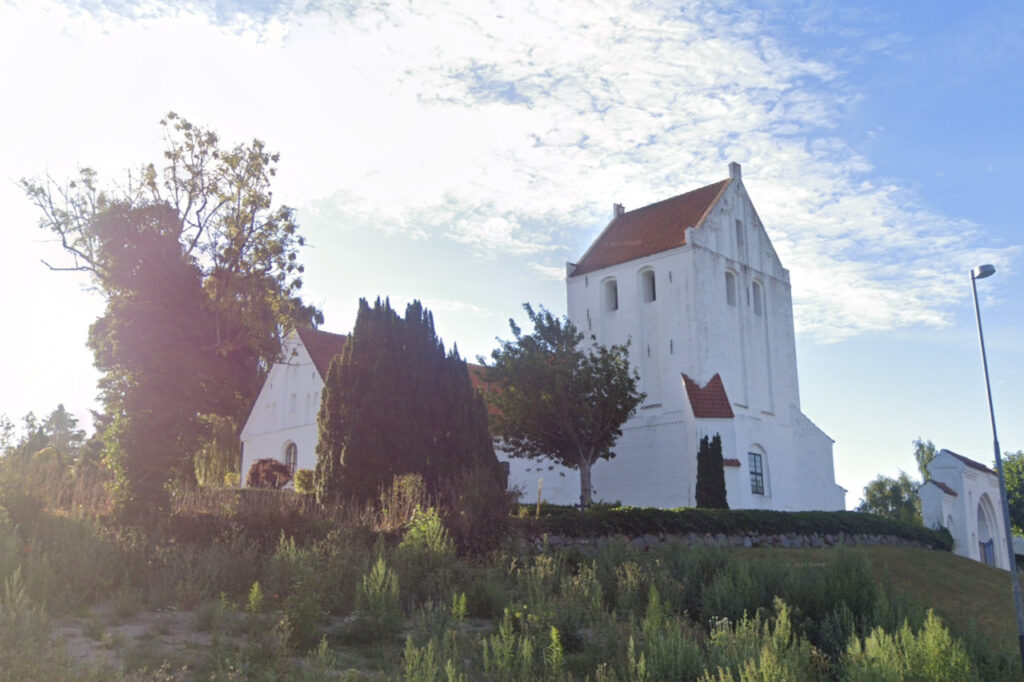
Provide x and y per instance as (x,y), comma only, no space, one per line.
(696,288)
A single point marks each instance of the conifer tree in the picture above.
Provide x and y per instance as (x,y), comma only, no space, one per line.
(395,402)
(711,474)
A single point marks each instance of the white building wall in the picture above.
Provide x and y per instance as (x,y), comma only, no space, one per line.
(691,329)
(285,411)
(975,512)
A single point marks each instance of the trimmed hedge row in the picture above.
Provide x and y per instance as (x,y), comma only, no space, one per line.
(633,521)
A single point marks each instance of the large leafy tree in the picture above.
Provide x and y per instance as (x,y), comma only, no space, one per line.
(893,498)
(395,402)
(558,399)
(201,278)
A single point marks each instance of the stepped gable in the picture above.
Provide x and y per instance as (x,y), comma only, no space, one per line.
(709,402)
(649,230)
(322,347)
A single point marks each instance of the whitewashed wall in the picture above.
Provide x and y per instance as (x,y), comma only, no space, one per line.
(285,411)
(977,495)
(691,329)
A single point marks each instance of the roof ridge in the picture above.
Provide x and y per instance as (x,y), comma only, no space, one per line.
(680,195)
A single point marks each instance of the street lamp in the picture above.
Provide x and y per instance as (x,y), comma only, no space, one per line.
(981,272)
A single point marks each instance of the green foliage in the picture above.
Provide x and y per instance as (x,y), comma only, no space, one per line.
(929,654)
(756,649)
(711,474)
(423,559)
(378,610)
(556,399)
(201,279)
(893,498)
(268,473)
(601,521)
(395,402)
(304,482)
(671,647)
(232,479)
(924,453)
(1013,472)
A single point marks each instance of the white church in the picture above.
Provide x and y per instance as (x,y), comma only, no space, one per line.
(694,284)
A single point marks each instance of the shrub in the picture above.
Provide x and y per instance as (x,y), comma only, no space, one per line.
(604,521)
(232,479)
(268,473)
(929,654)
(304,482)
(378,611)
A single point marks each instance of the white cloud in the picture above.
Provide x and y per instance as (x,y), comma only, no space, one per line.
(511,131)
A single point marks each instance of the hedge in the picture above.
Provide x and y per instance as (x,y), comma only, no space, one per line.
(633,521)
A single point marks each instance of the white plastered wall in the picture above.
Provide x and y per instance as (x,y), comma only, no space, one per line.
(285,411)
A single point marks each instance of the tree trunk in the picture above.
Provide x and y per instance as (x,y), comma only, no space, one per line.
(585,486)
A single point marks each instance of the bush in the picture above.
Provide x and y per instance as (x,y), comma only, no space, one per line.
(304,482)
(268,473)
(929,654)
(232,479)
(604,521)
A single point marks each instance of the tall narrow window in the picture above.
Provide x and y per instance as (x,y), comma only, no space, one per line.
(739,234)
(756,473)
(730,288)
(647,286)
(291,456)
(611,295)
(758,299)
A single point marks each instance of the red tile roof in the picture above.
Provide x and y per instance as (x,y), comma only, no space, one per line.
(729,462)
(322,347)
(971,463)
(709,402)
(942,486)
(478,377)
(651,229)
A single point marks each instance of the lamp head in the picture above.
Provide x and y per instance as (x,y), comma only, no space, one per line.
(983,271)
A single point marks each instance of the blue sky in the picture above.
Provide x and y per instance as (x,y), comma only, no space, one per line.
(462,152)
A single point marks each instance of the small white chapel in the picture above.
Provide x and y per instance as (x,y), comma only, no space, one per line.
(695,286)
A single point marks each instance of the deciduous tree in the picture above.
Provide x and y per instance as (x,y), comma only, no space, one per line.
(1013,473)
(559,400)
(893,498)
(201,277)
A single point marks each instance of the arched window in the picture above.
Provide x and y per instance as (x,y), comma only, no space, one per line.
(291,456)
(730,288)
(758,296)
(756,462)
(611,295)
(647,286)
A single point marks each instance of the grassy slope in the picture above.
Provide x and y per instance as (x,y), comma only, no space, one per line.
(961,591)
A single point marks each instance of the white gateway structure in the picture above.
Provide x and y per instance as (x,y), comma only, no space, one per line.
(695,286)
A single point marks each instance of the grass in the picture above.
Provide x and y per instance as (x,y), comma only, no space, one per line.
(964,593)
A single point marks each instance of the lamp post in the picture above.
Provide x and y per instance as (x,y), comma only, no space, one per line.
(981,272)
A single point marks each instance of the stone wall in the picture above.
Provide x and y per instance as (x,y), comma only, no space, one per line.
(784,540)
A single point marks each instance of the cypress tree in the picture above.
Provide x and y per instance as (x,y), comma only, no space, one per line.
(395,402)
(711,474)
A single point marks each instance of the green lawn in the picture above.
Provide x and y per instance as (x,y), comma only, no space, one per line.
(964,593)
